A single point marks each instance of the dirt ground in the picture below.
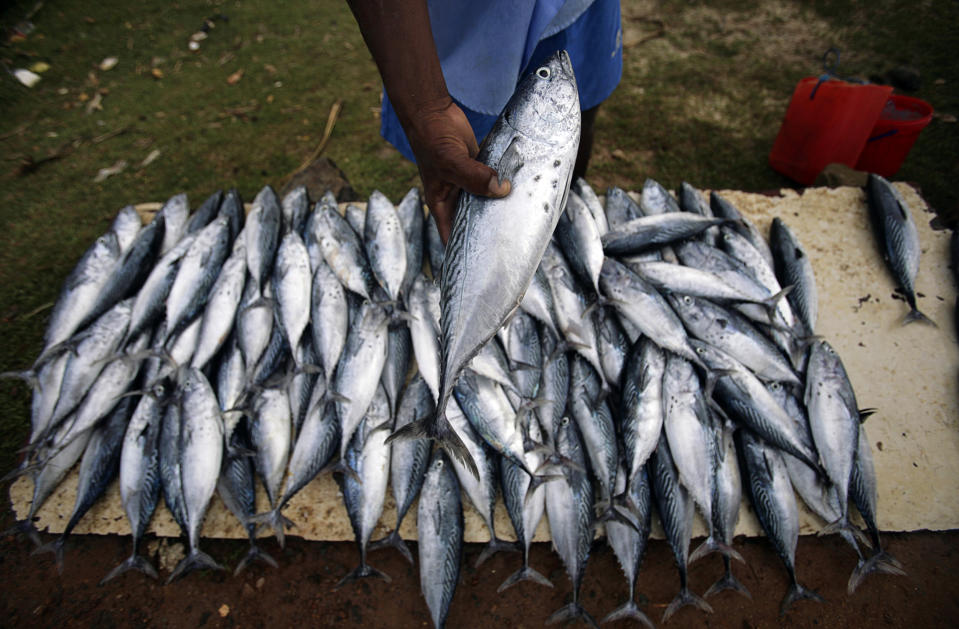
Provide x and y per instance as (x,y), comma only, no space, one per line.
(301,591)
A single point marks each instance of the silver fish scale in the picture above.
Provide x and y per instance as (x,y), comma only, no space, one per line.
(569,506)
(645,308)
(793,268)
(410,211)
(126,226)
(595,422)
(262,232)
(330,318)
(197,272)
(688,429)
(833,416)
(176,212)
(359,370)
(82,288)
(271,434)
(439,526)
(97,343)
(385,241)
(150,301)
(730,332)
(292,281)
(409,458)
(221,307)
(202,449)
(642,403)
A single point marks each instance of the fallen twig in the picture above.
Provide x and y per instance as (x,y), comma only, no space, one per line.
(330,123)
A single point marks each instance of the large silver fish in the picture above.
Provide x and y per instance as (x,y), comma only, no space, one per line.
(439,527)
(896,231)
(496,244)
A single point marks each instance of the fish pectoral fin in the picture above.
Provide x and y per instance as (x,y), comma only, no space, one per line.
(510,162)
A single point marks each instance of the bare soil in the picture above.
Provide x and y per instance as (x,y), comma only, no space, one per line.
(302,590)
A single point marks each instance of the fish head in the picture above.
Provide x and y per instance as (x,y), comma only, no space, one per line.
(545,106)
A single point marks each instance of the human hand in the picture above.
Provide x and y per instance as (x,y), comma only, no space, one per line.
(445,148)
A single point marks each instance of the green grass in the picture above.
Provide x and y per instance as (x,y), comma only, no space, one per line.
(701,103)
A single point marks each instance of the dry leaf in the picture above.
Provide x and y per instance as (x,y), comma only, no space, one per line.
(234,78)
(108,64)
(157,73)
(95,103)
(116,169)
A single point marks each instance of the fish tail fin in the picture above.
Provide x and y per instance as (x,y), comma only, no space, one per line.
(794,593)
(442,433)
(526,573)
(16,473)
(914,316)
(712,545)
(535,480)
(275,520)
(27,375)
(612,512)
(494,546)
(25,528)
(727,582)
(133,562)
(771,303)
(196,560)
(629,609)
(342,467)
(55,547)
(572,611)
(362,571)
(684,598)
(255,553)
(881,562)
(394,540)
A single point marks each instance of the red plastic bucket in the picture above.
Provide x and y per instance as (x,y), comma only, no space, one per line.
(826,122)
(900,122)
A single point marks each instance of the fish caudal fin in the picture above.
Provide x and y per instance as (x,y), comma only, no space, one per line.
(881,562)
(55,547)
(684,598)
(362,571)
(275,520)
(494,546)
(133,562)
(914,316)
(526,573)
(573,611)
(196,560)
(727,582)
(794,593)
(711,545)
(629,609)
(394,540)
(441,432)
(255,553)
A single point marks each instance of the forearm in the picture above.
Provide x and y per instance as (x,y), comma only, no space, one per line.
(399,36)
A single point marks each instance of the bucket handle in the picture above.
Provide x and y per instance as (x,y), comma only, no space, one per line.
(883,135)
(829,67)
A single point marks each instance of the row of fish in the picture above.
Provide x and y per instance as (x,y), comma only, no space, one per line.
(587,361)
(605,396)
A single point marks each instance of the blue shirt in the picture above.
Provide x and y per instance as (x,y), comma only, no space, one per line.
(484,55)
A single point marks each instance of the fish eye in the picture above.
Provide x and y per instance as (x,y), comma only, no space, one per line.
(564,421)
(774,386)
(439,465)
(700,350)
(543,73)
(687,299)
